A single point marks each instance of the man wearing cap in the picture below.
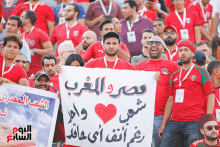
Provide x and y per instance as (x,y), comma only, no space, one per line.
(65,49)
(188,88)
(210,129)
(170,37)
(111,44)
(199,58)
(166,68)
(42,80)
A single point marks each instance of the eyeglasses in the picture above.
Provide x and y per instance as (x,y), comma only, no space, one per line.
(157,43)
(22,61)
(67,10)
(171,33)
(211,127)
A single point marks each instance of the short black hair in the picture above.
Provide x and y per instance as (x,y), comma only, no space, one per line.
(105,21)
(74,57)
(160,19)
(48,57)
(110,17)
(149,31)
(31,15)
(200,63)
(213,65)
(76,8)
(203,42)
(12,37)
(132,4)
(110,35)
(19,22)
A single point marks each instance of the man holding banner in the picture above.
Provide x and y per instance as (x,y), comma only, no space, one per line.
(166,68)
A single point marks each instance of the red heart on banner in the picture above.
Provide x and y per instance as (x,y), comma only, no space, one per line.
(105,113)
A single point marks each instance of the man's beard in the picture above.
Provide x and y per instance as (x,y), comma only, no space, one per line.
(85,47)
(70,18)
(111,54)
(128,18)
(187,61)
(210,138)
(170,42)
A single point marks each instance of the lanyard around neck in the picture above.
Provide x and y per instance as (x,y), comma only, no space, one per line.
(28,34)
(35,7)
(3,68)
(68,31)
(183,22)
(180,82)
(116,61)
(104,9)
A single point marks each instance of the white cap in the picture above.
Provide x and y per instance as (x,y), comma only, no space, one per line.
(66,46)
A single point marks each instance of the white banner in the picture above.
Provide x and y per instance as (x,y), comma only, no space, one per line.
(106,108)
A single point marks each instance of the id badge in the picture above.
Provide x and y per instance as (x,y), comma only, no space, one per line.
(206,27)
(62,20)
(131,36)
(217,114)
(184,34)
(179,96)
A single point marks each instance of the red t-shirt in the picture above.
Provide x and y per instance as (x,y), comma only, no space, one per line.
(43,11)
(148,14)
(202,143)
(207,11)
(55,80)
(99,63)
(172,8)
(35,42)
(216,106)
(166,69)
(96,50)
(16,73)
(196,86)
(59,34)
(174,53)
(192,20)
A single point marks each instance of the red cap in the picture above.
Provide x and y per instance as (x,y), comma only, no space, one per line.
(206,118)
(170,26)
(188,44)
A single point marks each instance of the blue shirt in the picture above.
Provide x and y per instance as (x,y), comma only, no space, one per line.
(56,10)
(26,51)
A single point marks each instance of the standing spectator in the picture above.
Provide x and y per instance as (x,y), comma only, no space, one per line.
(71,30)
(132,27)
(21,60)
(39,44)
(13,26)
(159,26)
(10,72)
(97,50)
(111,43)
(42,80)
(45,17)
(188,87)
(186,22)
(210,130)
(144,12)
(204,11)
(170,37)
(59,12)
(166,69)
(98,11)
(171,7)
(206,49)
(199,59)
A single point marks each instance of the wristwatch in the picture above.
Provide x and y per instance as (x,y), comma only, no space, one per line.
(34,50)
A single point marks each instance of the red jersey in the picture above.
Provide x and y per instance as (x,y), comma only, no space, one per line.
(59,34)
(172,8)
(196,86)
(100,63)
(96,50)
(55,81)
(35,42)
(202,143)
(43,11)
(174,54)
(192,20)
(15,74)
(147,13)
(166,69)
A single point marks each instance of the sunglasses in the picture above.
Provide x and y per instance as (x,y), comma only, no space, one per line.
(67,10)
(167,33)
(18,61)
(157,43)
(211,127)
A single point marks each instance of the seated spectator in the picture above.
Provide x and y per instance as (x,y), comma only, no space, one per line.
(21,60)
(59,12)
(71,30)
(98,11)
(39,44)
(42,80)
(210,130)
(96,50)
(12,72)
(65,49)
(44,13)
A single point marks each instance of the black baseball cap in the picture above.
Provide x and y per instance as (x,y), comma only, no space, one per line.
(110,35)
(41,73)
(200,56)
